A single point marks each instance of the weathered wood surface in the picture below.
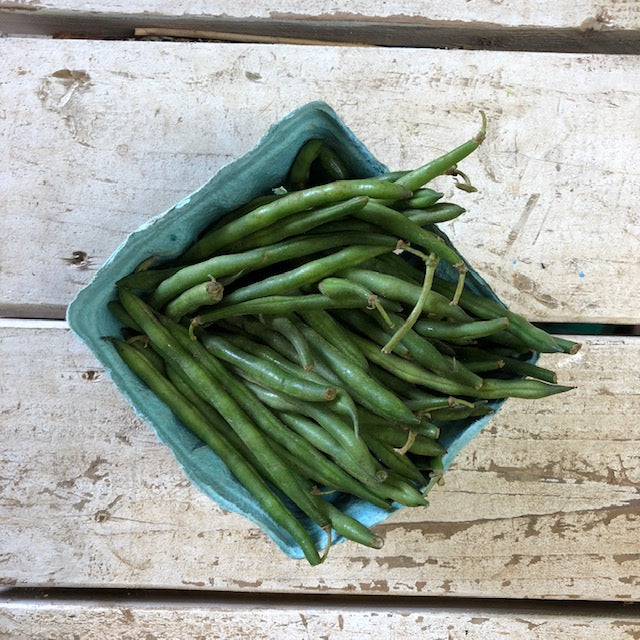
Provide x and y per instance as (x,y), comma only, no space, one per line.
(100,136)
(588,14)
(180,621)
(543,504)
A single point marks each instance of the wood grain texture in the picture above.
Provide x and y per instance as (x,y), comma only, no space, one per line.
(180,621)
(543,504)
(587,14)
(100,136)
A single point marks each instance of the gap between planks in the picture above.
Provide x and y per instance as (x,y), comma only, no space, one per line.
(184,598)
(590,37)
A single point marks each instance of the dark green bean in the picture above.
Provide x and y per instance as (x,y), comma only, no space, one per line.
(332,164)
(288,205)
(189,415)
(146,280)
(299,172)
(288,329)
(521,368)
(401,464)
(119,312)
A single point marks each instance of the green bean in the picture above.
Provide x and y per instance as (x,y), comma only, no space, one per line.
(344,290)
(482,366)
(402,227)
(378,332)
(342,445)
(521,368)
(272,305)
(421,199)
(396,437)
(442,212)
(248,261)
(205,374)
(332,164)
(265,373)
(392,459)
(146,280)
(457,331)
(404,492)
(342,404)
(288,205)
(288,329)
(327,327)
(490,390)
(121,314)
(426,404)
(297,225)
(486,308)
(427,172)
(397,289)
(460,412)
(299,172)
(351,528)
(359,383)
(204,294)
(310,272)
(193,419)
(422,428)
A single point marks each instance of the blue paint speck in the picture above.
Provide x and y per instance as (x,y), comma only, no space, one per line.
(581,274)
(513,261)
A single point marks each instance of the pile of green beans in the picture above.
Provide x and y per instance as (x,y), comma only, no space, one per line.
(322,341)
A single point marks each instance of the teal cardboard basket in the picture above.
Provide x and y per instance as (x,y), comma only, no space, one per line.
(167,236)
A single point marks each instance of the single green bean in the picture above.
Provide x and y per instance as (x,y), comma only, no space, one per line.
(301,167)
(203,294)
(121,314)
(146,280)
(521,368)
(332,164)
(421,199)
(427,172)
(457,331)
(401,464)
(442,212)
(288,205)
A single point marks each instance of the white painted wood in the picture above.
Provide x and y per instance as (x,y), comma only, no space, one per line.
(179,620)
(100,136)
(543,504)
(587,14)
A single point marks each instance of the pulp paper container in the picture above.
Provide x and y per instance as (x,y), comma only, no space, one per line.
(167,236)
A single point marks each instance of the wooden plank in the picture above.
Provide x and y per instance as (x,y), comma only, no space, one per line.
(543,504)
(100,136)
(587,14)
(179,620)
